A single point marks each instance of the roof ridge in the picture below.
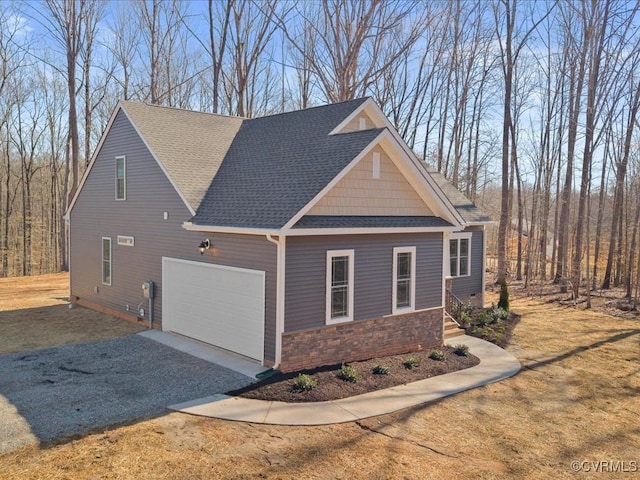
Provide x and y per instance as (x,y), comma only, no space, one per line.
(147,104)
(164,107)
(326,105)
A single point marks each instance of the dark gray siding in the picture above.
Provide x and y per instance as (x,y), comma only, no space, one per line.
(306,269)
(97,214)
(464,287)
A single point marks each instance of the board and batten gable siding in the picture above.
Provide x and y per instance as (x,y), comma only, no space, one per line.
(97,214)
(305,290)
(464,287)
(359,193)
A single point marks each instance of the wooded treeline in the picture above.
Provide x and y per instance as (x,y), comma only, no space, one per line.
(532,103)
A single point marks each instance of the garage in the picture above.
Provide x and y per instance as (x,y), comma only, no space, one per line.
(216,304)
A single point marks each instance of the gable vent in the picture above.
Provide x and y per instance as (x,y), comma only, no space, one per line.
(376,165)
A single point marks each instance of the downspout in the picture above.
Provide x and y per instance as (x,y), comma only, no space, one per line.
(150,312)
(280,266)
(484,264)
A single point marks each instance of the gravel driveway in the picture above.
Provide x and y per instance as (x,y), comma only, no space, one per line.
(73,389)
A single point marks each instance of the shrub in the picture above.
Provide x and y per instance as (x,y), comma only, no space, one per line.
(304,383)
(437,355)
(504,295)
(490,333)
(485,318)
(500,313)
(411,362)
(461,350)
(465,318)
(348,373)
(381,370)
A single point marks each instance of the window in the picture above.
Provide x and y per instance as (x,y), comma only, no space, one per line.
(126,240)
(121,178)
(339,286)
(106,261)
(404,267)
(459,255)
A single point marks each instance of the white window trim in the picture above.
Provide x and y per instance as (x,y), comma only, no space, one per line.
(330,255)
(102,260)
(126,240)
(412,291)
(458,237)
(124,178)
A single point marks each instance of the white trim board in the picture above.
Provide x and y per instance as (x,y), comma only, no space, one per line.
(394,289)
(350,254)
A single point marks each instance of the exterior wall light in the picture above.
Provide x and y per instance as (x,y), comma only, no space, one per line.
(204,245)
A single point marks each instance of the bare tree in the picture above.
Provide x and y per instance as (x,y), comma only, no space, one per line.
(217,48)
(506,18)
(354,42)
(92,15)
(124,47)
(11,62)
(252,27)
(26,136)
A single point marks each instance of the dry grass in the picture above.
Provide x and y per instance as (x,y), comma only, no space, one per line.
(34,313)
(576,398)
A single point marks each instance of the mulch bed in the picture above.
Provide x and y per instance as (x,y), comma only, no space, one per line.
(279,387)
(498,333)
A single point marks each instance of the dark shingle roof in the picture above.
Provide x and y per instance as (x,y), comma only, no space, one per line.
(258,173)
(277,164)
(468,210)
(366,221)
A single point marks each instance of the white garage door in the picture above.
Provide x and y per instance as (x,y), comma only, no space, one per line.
(223,306)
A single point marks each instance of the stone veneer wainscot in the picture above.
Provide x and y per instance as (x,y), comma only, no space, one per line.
(352,341)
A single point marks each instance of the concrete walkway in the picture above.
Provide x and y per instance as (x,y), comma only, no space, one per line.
(495,364)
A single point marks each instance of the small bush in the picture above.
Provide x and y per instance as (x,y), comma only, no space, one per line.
(461,350)
(490,333)
(348,373)
(411,362)
(381,370)
(465,318)
(500,313)
(485,318)
(504,296)
(304,383)
(437,355)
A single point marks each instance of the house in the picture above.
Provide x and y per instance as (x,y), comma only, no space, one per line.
(323,238)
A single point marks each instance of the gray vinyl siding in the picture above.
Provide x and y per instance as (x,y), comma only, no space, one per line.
(464,287)
(97,214)
(305,281)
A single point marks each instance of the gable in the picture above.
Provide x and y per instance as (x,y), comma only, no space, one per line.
(359,193)
(361,121)
(149,192)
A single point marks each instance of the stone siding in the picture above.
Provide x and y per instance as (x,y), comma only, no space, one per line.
(362,340)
